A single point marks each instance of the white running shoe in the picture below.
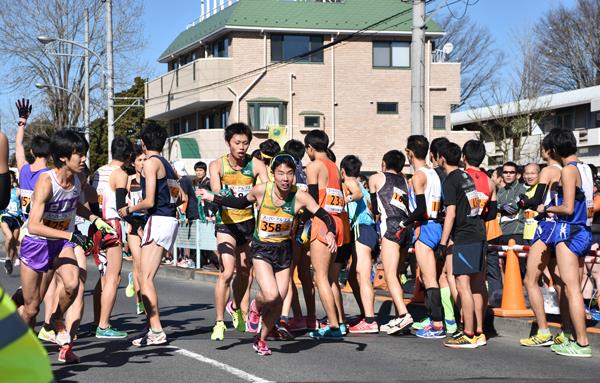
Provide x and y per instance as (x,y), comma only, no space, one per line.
(150,339)
(399,324)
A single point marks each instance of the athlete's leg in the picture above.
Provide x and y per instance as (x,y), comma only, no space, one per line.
(568,265)
(15,242)
(268,302)
(7,233)
(321,260)
(31,282)
(308,286)
(151,257)
(428,270)
(559,287)
(112,277)
(75,312)
(390,256)
(364,265)
(291,300)
(354,284)
(479,292)
(243,278)
(226,248)
(463,283)
(53,285)
(334,277)
(136,255)
(537,260)
(68,271)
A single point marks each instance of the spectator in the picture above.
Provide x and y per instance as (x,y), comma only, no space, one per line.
(531,177)
(209,259)
(496,177)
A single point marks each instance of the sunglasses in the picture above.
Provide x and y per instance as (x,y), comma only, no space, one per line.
(509,172)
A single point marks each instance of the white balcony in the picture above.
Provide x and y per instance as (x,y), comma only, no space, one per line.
(188,89)
(587,137)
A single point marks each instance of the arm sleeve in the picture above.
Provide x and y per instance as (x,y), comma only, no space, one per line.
(234,202)
(374,207)
(121,194)
(4,190)
(420,211)
(492,211)
(95,208)
(326,218)
(538,197)
(313,190)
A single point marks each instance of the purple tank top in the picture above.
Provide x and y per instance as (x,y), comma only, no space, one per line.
(27,181)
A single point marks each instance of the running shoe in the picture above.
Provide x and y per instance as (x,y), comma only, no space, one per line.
(139,308)
(237,317)
(110,333)
(62,335)
(344,328)
(326,333)
(462,341)
(296,325)
(261,348)
(283,331)
(353,320)
(150,339)
(561,338)
(573,349)
(451,326)
(537,340)
(595,314)
(363,327)
(431,333)
(8,266)
(423,323)
(130,290)
(253,324)
(481,339)
(400,324)
(312,323)
(218,332)
(66,355)
(47,335)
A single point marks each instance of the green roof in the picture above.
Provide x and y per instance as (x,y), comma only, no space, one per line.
(351,15)
(189,148)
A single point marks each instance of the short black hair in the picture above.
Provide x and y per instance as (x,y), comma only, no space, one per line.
(419,145)
(510,164)
(564,141)
(318,139)
(154,136)
(331,155)
(269,148)
(351,165)
(547,143)
(474,152)
(436,144)
(295,148)
(394,160)
(121,148)
(283,158)
(451,153)
(256,154)
(65,143)
(200,165)
(238,128)
(137,151)
(40,146)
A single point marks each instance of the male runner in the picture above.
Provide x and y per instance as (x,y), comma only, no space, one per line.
(425,205)
(279,201)
(539,256)
(162,195)
(389,199)
(110,182)
(47,246)
(235,173)
(10,222)
(573,236)
(464,224)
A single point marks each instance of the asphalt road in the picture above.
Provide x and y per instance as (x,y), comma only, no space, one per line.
(188,315)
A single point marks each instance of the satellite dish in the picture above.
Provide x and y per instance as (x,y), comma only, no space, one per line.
(448,48)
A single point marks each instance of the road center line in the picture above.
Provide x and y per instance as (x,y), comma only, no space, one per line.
(225,367)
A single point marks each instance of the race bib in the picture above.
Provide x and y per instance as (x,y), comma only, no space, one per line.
(26,199)
(529,216)
(238,191)
(398,197)
(334,200)
(58,225)
(474,203)
(436,207)
(274,226)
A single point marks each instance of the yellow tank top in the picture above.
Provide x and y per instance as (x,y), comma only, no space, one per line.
(531,223)
(239,182)
(274,223)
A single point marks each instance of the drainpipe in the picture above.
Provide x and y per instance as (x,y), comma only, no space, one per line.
(291,112)
(427,90)
(239,97)
(332,142)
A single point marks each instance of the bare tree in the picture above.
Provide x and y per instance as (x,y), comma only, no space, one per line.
(568,46)
(27,61)
(474,49)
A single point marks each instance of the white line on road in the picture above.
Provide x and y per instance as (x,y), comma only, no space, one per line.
(225,367)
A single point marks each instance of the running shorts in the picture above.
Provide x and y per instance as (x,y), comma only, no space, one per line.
(545,233)
(367,235)
(428,233)
(13,222)
(468,258)
(390,227)
(38,254)
(278,255)
(318,230)
(161,230)
(136,222)
(578,238)
(241,231)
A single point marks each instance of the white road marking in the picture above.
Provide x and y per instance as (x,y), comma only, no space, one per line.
(225,367)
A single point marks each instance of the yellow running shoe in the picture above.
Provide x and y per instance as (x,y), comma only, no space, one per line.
(562,338)
(462,341)
(537,340)
(47,335)
(218,331)
(481,339)
(130,289)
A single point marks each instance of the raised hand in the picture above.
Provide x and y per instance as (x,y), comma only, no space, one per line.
(24,108)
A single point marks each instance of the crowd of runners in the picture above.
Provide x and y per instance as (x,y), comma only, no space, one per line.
(276,217)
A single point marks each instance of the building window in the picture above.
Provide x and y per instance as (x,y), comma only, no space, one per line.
(387,108)
(564,121)
(264,115)
(391,54)
(220,48)
(597,124)
(439,122)
(312,122)
(286,47)
(214,118)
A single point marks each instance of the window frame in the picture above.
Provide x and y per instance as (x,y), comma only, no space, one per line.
(396,112)
(254,108)
(312,126)
(391,55)
(315,58)
(434,120)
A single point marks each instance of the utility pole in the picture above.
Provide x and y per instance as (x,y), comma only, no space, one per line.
(417,68)
(110,75)
(86,91)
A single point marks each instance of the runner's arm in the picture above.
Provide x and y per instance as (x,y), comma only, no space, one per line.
(232,201)
(356,193)
(5,181)
(24,111)
(214,170)
(260,170)
(419,181)
(312,179)
(306,201)
(151,167)
(373,186)
(493,204)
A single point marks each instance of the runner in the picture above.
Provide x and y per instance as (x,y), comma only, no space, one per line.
(541,254)
(425,205)
(10,222)
(389,198)
(573,237)
(162,195)
(136,222)
(464,224)
(363,227)
(271,252)
(47,246)
(324,185)
(235,173)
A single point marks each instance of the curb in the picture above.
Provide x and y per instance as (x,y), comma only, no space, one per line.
(499,326)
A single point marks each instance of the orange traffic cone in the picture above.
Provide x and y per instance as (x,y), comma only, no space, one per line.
(513,299)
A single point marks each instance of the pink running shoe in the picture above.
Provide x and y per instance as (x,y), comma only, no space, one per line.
(253,322)
(363,327)
(261,348)
(66,355)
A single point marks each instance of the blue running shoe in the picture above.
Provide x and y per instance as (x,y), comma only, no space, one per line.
(343,329)
(430,333)
(326,333)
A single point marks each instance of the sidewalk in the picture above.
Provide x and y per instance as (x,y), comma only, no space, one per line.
(495,326)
